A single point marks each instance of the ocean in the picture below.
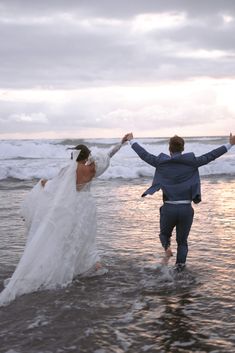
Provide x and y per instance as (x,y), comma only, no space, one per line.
(139,305)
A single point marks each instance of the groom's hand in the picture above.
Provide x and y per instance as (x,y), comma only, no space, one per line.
(232,139)
(127,137)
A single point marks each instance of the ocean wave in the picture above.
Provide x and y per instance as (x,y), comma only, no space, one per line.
(34,159)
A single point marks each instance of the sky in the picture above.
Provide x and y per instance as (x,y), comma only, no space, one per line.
(101,68)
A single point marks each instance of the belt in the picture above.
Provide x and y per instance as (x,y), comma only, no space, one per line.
(179,202)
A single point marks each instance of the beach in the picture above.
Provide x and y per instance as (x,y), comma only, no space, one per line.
(139,305)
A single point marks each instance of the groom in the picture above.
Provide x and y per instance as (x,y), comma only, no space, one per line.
(178,177)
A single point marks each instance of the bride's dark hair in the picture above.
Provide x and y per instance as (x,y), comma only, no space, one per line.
(84,152)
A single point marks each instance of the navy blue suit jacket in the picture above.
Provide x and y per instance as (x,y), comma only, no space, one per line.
(177,175)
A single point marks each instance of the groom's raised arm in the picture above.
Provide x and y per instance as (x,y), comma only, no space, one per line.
(142,153)
(216,153)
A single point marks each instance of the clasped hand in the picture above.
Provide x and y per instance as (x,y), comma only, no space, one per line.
(232,139)
(127,137)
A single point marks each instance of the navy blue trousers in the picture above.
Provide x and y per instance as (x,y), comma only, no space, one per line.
(181,218)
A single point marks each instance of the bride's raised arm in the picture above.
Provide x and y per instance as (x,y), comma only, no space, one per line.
(117,147)
(102,160)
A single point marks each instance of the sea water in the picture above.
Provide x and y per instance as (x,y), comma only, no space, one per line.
(139,305)
(29,159)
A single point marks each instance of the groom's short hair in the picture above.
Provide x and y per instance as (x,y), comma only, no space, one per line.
(176,144)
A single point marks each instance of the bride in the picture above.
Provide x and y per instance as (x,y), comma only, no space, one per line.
(60,219)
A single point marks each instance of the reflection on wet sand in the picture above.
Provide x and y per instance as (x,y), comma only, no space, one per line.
(140,305)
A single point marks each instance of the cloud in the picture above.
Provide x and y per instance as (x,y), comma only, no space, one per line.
(119,9)
(62,44)
(32,118)
(144,109)
(157,21)
(74,65)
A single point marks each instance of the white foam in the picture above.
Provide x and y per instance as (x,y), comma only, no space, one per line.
(125,341)
(39,321)
(29,159)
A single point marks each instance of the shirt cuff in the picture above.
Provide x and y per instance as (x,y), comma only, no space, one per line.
(228,146)
(132,141)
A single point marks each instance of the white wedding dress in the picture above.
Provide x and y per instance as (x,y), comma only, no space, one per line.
(61,228)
